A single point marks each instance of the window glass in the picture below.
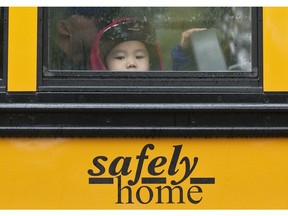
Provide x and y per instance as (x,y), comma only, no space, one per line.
(153,39)
(1,42)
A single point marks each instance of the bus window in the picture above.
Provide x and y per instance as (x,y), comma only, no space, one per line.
(184,47)
(1,42)
(223,45)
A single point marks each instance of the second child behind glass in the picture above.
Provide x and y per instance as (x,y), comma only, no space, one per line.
(126,45)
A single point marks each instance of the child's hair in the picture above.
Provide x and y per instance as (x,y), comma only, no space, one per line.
(125,29)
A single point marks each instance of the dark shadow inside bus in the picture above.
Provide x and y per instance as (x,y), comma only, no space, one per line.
(3,47)
(1,42)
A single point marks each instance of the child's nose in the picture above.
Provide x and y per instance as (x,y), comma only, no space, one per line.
(131,63)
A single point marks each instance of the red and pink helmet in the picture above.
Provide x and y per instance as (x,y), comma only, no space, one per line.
(125,29)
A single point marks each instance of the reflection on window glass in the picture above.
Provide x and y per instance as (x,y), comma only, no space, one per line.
(150,39)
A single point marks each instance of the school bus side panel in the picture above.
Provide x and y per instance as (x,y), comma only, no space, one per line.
(22,49)
(54,173)
(275,43)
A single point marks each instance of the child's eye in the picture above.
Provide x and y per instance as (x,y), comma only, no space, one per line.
(140,57)
(119,57)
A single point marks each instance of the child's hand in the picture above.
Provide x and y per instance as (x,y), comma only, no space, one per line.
(184,40)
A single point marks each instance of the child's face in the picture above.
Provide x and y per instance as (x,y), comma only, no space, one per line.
(128,56)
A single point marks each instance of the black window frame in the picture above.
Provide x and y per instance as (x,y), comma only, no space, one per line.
(216,107)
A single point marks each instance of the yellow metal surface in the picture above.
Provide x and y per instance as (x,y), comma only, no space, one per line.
(275,44)
(22,49)
(54,173)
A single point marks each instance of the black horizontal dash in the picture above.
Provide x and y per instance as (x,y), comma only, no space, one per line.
(153,180)
(202,180)
(101,181)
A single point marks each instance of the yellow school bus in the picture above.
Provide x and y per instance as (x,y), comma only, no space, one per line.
(212,135)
